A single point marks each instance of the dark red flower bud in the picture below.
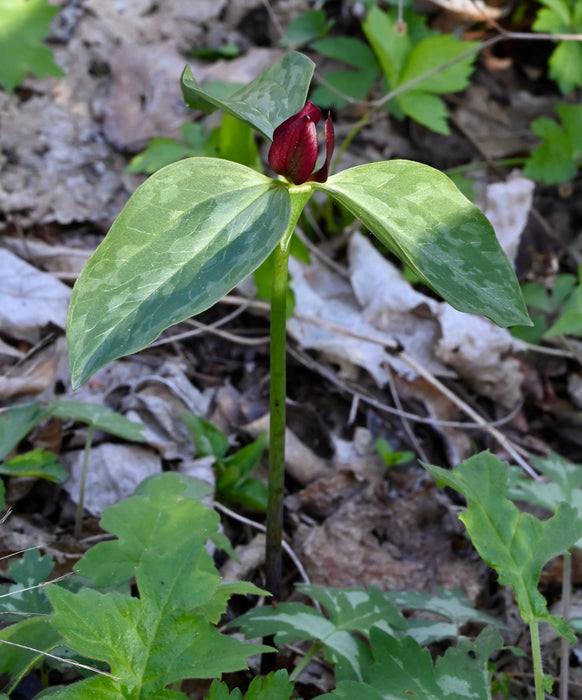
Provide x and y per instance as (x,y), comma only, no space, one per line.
(293,152)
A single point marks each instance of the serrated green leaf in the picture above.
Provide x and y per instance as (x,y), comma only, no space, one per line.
(24,24)
(558,10)
(553,161)
(100,687)
(99,417)
(426,109)
(37,463)
(436,51)
(169,631)
(263,104)
(163,640)
(391,47)
(515,544)
(186,237)
(159,521)
(275,686)
(215,609)
(220,691)
(16,423)
(420,216)
(566,65)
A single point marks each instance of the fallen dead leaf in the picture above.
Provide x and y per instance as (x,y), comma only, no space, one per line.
(29,299)
(113,474)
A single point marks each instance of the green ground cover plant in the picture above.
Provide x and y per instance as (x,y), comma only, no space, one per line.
(563,17)
(554,312)
(24,25)
(233,481)
(17,422)
(170,631)
(557,159)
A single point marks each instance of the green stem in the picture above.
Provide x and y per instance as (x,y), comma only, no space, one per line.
(566,613)
(304,661)
(537,660)
(273,566)
(81,502)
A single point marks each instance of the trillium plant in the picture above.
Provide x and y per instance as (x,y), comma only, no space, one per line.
(198,227)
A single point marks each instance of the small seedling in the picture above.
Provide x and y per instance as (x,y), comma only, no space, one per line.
(233,481)
(391,458)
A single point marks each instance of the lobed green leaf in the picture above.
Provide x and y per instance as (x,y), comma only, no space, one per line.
(402,669)
(515,544)
(169,631)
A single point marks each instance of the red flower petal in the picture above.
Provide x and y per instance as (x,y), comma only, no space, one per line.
(293,152)
(321,174)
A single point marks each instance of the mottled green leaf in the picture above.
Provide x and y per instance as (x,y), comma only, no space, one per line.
(276,94)
(186,237)
(419,214)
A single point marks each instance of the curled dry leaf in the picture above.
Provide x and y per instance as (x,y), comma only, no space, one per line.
(113,474)
(476,10)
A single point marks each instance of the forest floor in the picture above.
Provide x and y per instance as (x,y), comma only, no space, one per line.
(352,521)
